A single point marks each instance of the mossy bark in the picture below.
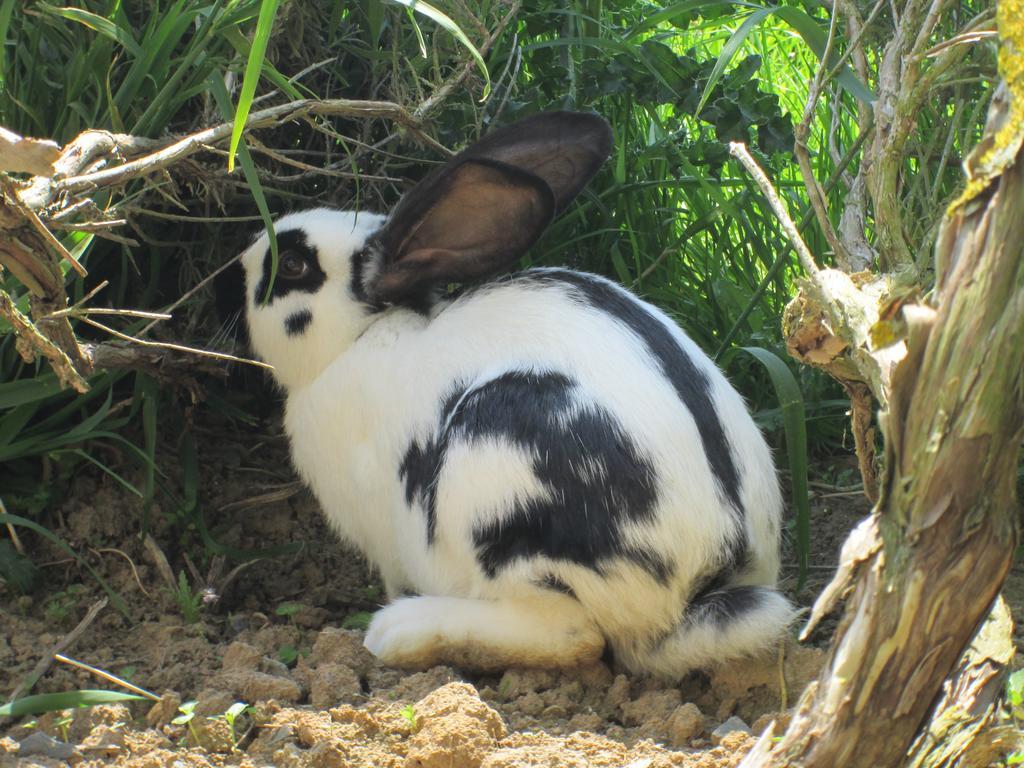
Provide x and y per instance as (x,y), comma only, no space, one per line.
(931,564)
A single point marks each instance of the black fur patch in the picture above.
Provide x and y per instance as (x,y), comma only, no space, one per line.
(293,240)
(690,383)
(720,606)
(421,465)
(296,323)
(596,479)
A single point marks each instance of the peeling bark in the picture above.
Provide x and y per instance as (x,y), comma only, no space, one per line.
(929,566)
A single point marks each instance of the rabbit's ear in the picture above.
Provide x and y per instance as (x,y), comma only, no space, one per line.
(468,220)
(565,149)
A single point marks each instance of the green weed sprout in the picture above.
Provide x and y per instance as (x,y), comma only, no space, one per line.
(63,723)
(189,603)
(409,713)
(231,716)
(187,717)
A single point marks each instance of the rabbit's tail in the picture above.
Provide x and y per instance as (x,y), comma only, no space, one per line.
(718,625)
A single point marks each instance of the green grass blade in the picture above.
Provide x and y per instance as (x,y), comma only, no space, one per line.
(791,403)
(243,47)
(6,8)
(13,422)
(99,24)
(443,21)
(220,95)
(265,23)
(51,702)
(21,391)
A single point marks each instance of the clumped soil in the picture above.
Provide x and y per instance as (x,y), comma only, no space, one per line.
(282,635)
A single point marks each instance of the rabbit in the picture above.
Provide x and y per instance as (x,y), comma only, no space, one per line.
(540,466)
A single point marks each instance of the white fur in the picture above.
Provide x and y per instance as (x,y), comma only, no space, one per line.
(362,385)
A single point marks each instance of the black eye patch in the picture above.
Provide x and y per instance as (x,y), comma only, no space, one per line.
(294,240)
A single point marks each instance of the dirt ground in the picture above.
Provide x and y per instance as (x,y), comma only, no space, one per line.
(283,634)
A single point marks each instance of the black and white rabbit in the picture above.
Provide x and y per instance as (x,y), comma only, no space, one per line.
(545,462)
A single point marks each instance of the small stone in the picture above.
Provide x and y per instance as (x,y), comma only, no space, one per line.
(310,617)
(40,743)
(212,702)
(684,723)
(274,667)
(554,712)
(726,708)
(618,692)
(596,676)
(419,684)
(333,684)
(341,646)
(104,741)
(164,710)
(615,732)
(259,686)
(732,725)
(653,705)
(530,704)
(586,721)
(456,728)
(88,718)
(282,733)
(517,682)
(328,754)
(241,656)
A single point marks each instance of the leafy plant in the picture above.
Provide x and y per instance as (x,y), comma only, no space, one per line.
(16,569)
(59,605)
(190,603)
(791,403)
(288,610)
(358,620)
(408,712)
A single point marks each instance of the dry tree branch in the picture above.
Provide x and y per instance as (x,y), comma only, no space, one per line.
(176,347)
(194,142)
(32,342)
(739,151)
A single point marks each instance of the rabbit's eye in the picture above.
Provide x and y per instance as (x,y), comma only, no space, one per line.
(292,266)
